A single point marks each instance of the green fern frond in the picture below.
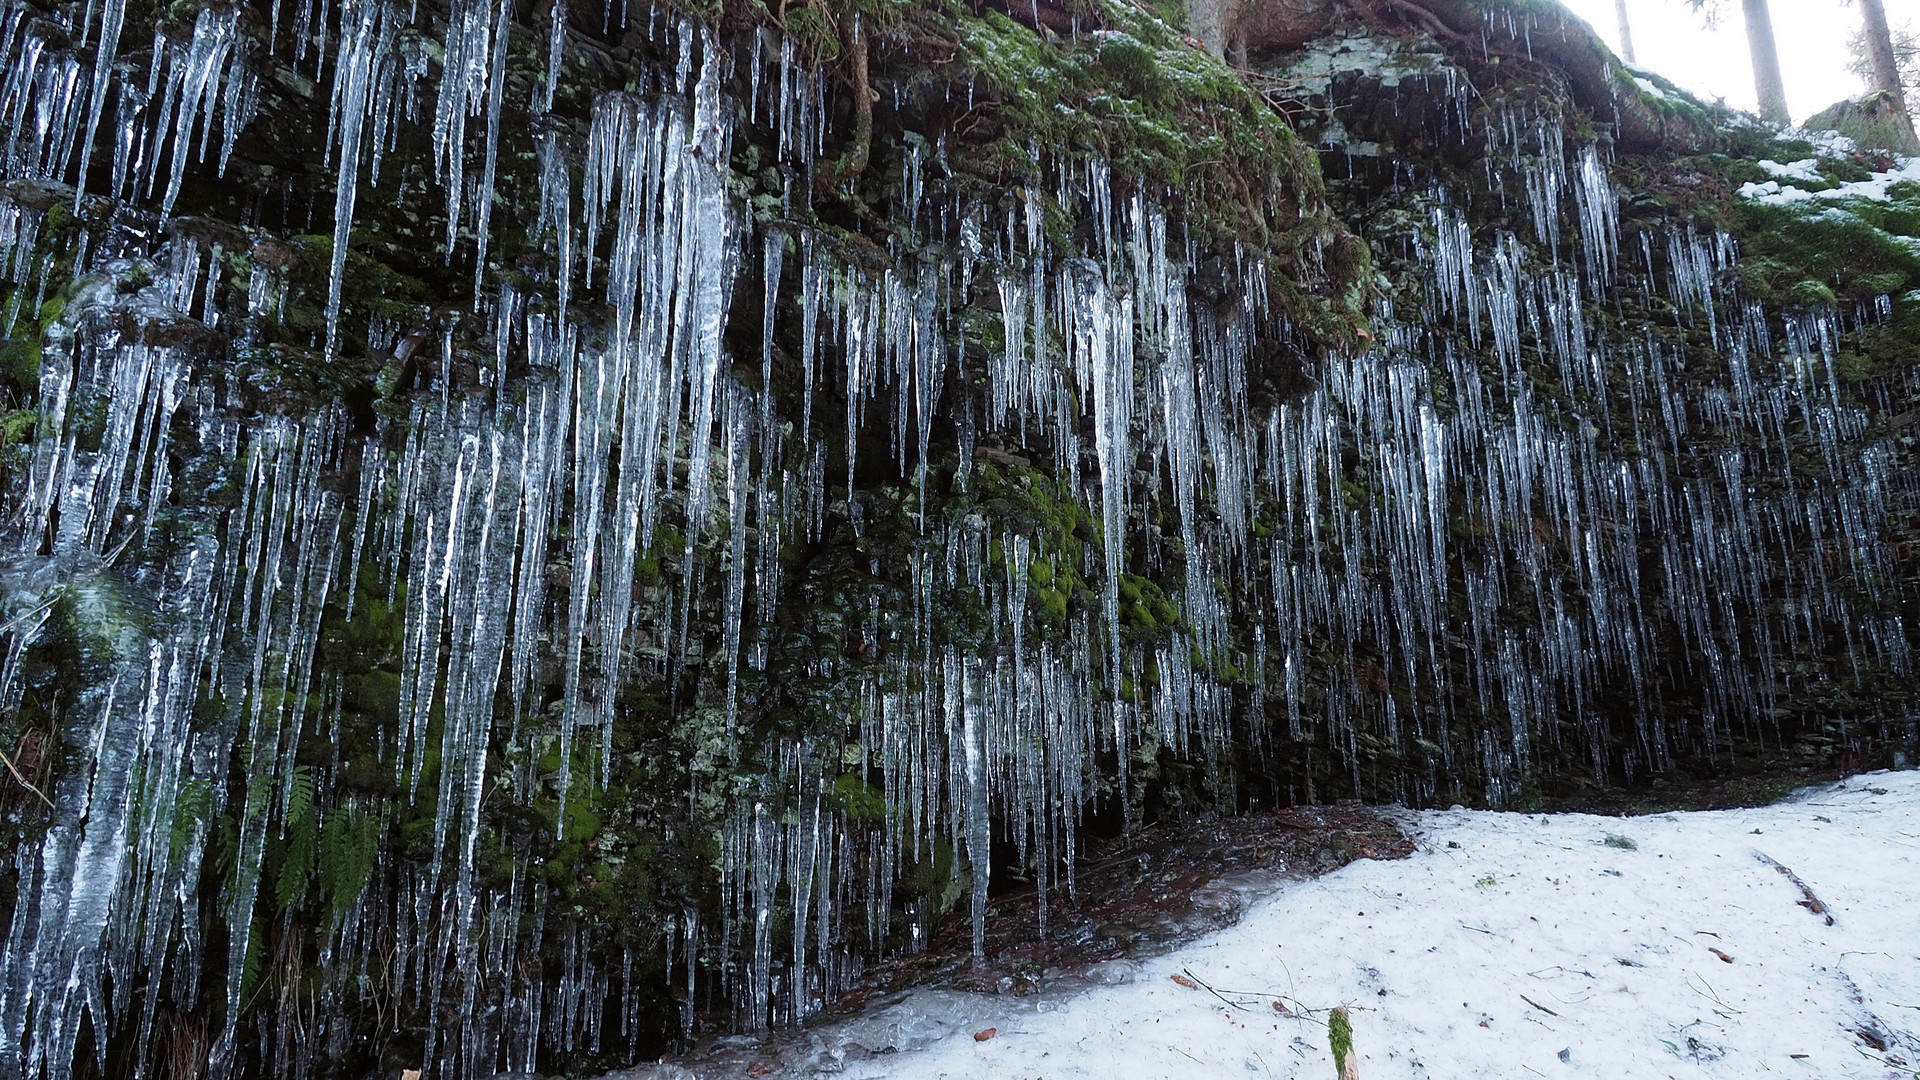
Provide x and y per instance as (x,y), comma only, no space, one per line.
(190,810)
(299,797)
(296,866)
(252,962)
(349,844)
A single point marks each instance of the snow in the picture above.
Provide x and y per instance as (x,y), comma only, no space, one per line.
(1826,141)
(1511,945)
(1799,170)
(1774,193)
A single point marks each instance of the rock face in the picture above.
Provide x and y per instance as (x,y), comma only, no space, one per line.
(1875,120)
(535,530)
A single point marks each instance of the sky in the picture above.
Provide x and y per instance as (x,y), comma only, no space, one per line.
(1672,39)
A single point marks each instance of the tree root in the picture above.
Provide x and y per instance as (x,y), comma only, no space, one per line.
(853,162)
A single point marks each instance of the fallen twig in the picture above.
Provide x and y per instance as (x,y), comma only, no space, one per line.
(24,782)
(1561,970)
(1711,994)
(1537,1005)
(1812,903)
(1204,986)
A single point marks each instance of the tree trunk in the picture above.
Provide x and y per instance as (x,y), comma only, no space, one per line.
(1767,84)
(1886,74)
(1626,32)
(1211,22)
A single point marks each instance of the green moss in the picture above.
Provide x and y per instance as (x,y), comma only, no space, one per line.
(1169,117)
(1049,607)
(1819,251)
(1133,64)
(852,797)
(1809,293)
(16,425)
(1340,1037)
(20,356)
(933,876)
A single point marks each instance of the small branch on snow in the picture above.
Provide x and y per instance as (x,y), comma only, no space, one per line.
(1537,1005)
(1188,972)
(1711,994)
(1562,970)
(1812,903)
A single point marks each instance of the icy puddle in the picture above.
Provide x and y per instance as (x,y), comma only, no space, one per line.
(1783,940)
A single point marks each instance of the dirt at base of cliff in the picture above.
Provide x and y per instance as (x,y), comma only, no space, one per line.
(1133,897)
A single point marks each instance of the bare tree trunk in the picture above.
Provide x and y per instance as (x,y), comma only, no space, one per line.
(1626,32)
(1210,20)
(1886,74)
(1767,84)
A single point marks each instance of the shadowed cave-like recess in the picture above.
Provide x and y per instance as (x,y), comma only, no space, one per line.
(534,531)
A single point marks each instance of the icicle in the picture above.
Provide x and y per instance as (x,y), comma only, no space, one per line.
(495,96)
(194,86)
(112,16)
(556,52)
(366,36)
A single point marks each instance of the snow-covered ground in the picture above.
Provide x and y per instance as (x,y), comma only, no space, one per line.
(1877,187)
(1512,946)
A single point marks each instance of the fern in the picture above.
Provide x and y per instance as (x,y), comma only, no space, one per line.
(296,865)
(251,963)
(259,798)
(299,827)
(299,797)
(223,847)
(190,811)
(349,844)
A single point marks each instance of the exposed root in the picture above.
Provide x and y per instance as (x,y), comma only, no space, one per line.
(1428,20)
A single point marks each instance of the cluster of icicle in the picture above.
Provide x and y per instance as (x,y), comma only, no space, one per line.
(1415,515)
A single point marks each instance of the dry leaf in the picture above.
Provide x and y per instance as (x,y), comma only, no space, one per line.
(1184,981)
(984,1034)
(1721,955)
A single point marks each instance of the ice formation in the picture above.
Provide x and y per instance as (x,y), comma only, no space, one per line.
(516,513)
